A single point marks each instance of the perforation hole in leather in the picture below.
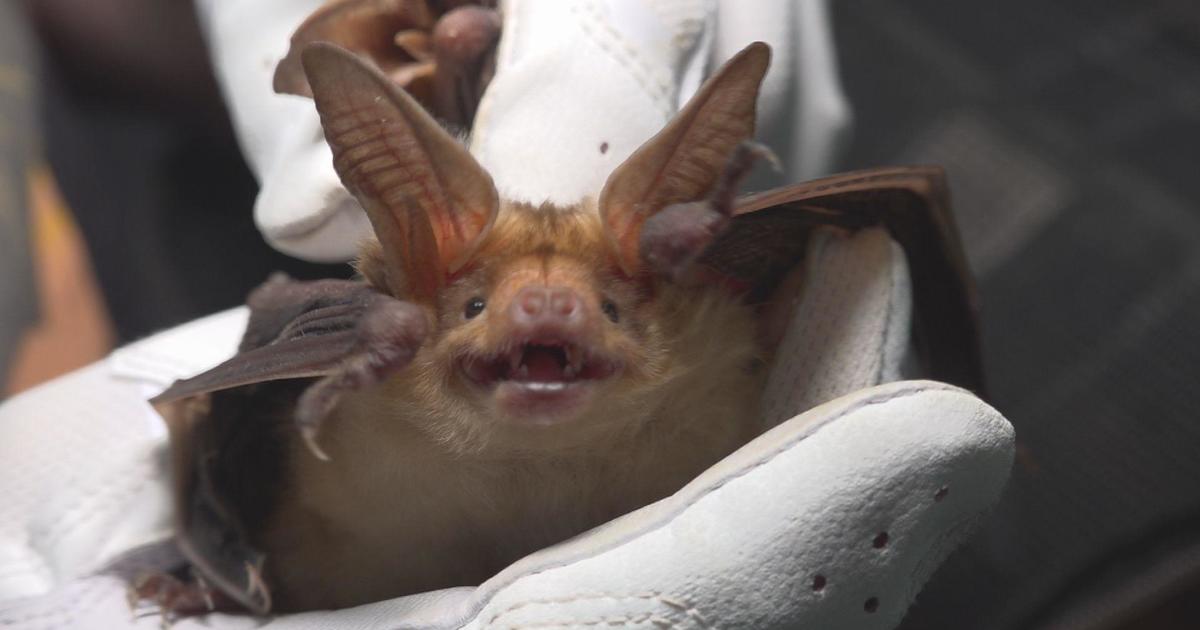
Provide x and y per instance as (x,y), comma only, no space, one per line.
(818,583)
(880,541)
(871,605)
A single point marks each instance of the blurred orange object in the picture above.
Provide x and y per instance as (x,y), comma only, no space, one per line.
(73,329)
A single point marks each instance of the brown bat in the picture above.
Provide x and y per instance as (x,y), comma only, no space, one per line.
(506,376)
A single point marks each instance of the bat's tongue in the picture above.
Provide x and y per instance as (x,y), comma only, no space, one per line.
(545,364)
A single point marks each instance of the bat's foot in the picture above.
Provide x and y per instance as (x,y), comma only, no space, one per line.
(389,335)
(675,237)
(463,40)
(173,598)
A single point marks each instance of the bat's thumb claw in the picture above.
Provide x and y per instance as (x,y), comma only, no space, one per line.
(255,585)
(314,405)
(309,435)
(762,152)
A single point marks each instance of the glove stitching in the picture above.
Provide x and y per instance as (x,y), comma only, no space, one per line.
(596,26)
(688,15)
(672,603)
(602,621)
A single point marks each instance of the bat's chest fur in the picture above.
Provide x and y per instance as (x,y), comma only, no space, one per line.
(395,512)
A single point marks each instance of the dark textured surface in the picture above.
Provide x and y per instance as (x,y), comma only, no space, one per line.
(1071,133)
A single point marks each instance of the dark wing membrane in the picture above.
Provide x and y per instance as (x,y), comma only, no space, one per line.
(769,234)
(296,330)
(229,426)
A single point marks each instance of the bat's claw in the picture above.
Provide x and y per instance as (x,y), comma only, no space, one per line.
(672,239)
(314,405)
(309,435)
(173,597)
(763,152)
(736,169)
(390,333)
(256,584)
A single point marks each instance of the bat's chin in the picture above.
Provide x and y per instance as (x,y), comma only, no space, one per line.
(543,381)
(542,403)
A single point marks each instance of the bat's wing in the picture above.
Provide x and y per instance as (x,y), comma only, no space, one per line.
(296,330)
(223,423)
(768,236)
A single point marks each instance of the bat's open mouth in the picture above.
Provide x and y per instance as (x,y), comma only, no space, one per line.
(542,377)
(541,365)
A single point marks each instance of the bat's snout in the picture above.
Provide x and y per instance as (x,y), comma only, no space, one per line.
(543,308)
(545,370)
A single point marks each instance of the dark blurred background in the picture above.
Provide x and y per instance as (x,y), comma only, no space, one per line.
(1070,130)
(137,137)
(1071,133)
(136,165)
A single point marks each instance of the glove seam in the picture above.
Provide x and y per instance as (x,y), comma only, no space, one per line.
(596,25)
(672,603)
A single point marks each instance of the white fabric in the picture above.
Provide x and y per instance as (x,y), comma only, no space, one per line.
(81,480)
(579,85)
(802,114)
(850,330)
(302,208)
(572,75)
(735,548)
(81,458)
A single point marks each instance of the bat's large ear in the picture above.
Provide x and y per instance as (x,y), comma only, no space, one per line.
(683,161)
(429,201)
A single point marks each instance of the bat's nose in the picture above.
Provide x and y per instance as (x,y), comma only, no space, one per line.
(537,306)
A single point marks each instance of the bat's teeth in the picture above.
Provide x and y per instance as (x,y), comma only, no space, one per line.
(574,360)
(523,372)
(550,386)
(514,359)
(569,372)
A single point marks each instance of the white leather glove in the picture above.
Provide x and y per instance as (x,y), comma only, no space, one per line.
(579,84)
(832,519)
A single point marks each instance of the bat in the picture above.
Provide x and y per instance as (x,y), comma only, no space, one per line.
(440,51)
(504,376)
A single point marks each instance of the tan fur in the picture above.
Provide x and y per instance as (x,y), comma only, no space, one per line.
(428,488)
(438,480)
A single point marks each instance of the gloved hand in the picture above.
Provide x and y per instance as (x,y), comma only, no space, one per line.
(579,84)
(832,519)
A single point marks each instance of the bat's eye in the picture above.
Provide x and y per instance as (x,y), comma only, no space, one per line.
(474,307)
(610,310)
